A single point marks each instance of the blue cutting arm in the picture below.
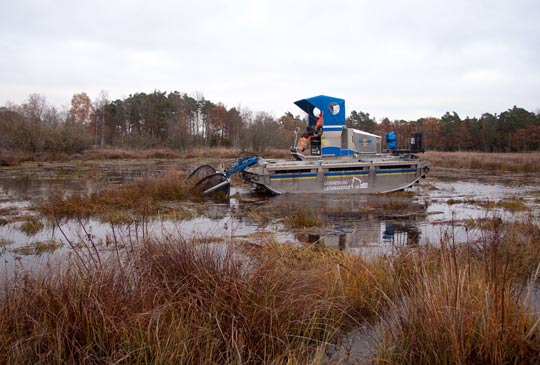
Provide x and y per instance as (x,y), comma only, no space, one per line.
(241,164)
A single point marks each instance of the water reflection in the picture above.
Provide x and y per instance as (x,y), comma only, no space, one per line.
(401,233)
(367,235)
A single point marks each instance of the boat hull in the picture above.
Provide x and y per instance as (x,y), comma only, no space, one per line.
(377,175)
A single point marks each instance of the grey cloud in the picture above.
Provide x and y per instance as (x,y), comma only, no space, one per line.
(390,58)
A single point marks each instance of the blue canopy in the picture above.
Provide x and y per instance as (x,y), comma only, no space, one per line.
(333,109)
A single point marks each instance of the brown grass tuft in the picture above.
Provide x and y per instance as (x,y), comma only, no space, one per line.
(37,248)
(302,218)
(142,197)
(31,226)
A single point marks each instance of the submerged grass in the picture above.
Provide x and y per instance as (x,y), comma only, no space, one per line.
(31,226)
(390,206)
(37,248)
(514,204)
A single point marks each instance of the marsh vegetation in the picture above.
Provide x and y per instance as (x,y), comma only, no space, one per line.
(132,269)
(510,162)
(189,301)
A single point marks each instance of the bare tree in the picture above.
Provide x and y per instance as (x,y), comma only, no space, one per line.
(99,117)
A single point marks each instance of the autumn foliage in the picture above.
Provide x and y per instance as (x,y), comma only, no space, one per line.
(180,121)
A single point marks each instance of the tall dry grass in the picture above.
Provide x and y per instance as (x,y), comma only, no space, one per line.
(189,303)
(14,158)
(468,305)
(516,162)
(364,285)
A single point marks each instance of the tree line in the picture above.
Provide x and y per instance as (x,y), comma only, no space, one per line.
(181,121)
(514,130)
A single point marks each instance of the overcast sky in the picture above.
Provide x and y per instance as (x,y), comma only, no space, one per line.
(399,59)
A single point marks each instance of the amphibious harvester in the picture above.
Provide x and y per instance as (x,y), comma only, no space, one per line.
(329,158)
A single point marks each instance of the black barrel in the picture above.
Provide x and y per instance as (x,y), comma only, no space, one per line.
(416,142)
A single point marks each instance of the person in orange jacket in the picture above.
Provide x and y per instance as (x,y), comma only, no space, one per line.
(315,131)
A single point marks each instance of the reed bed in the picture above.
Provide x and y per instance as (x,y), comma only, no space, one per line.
(129,154)
(142,197)
(232,153)
(515,162)
(14,158)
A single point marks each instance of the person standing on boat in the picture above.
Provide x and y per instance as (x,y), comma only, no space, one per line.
(311,132)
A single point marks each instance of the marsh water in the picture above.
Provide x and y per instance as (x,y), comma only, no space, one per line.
(449,203)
